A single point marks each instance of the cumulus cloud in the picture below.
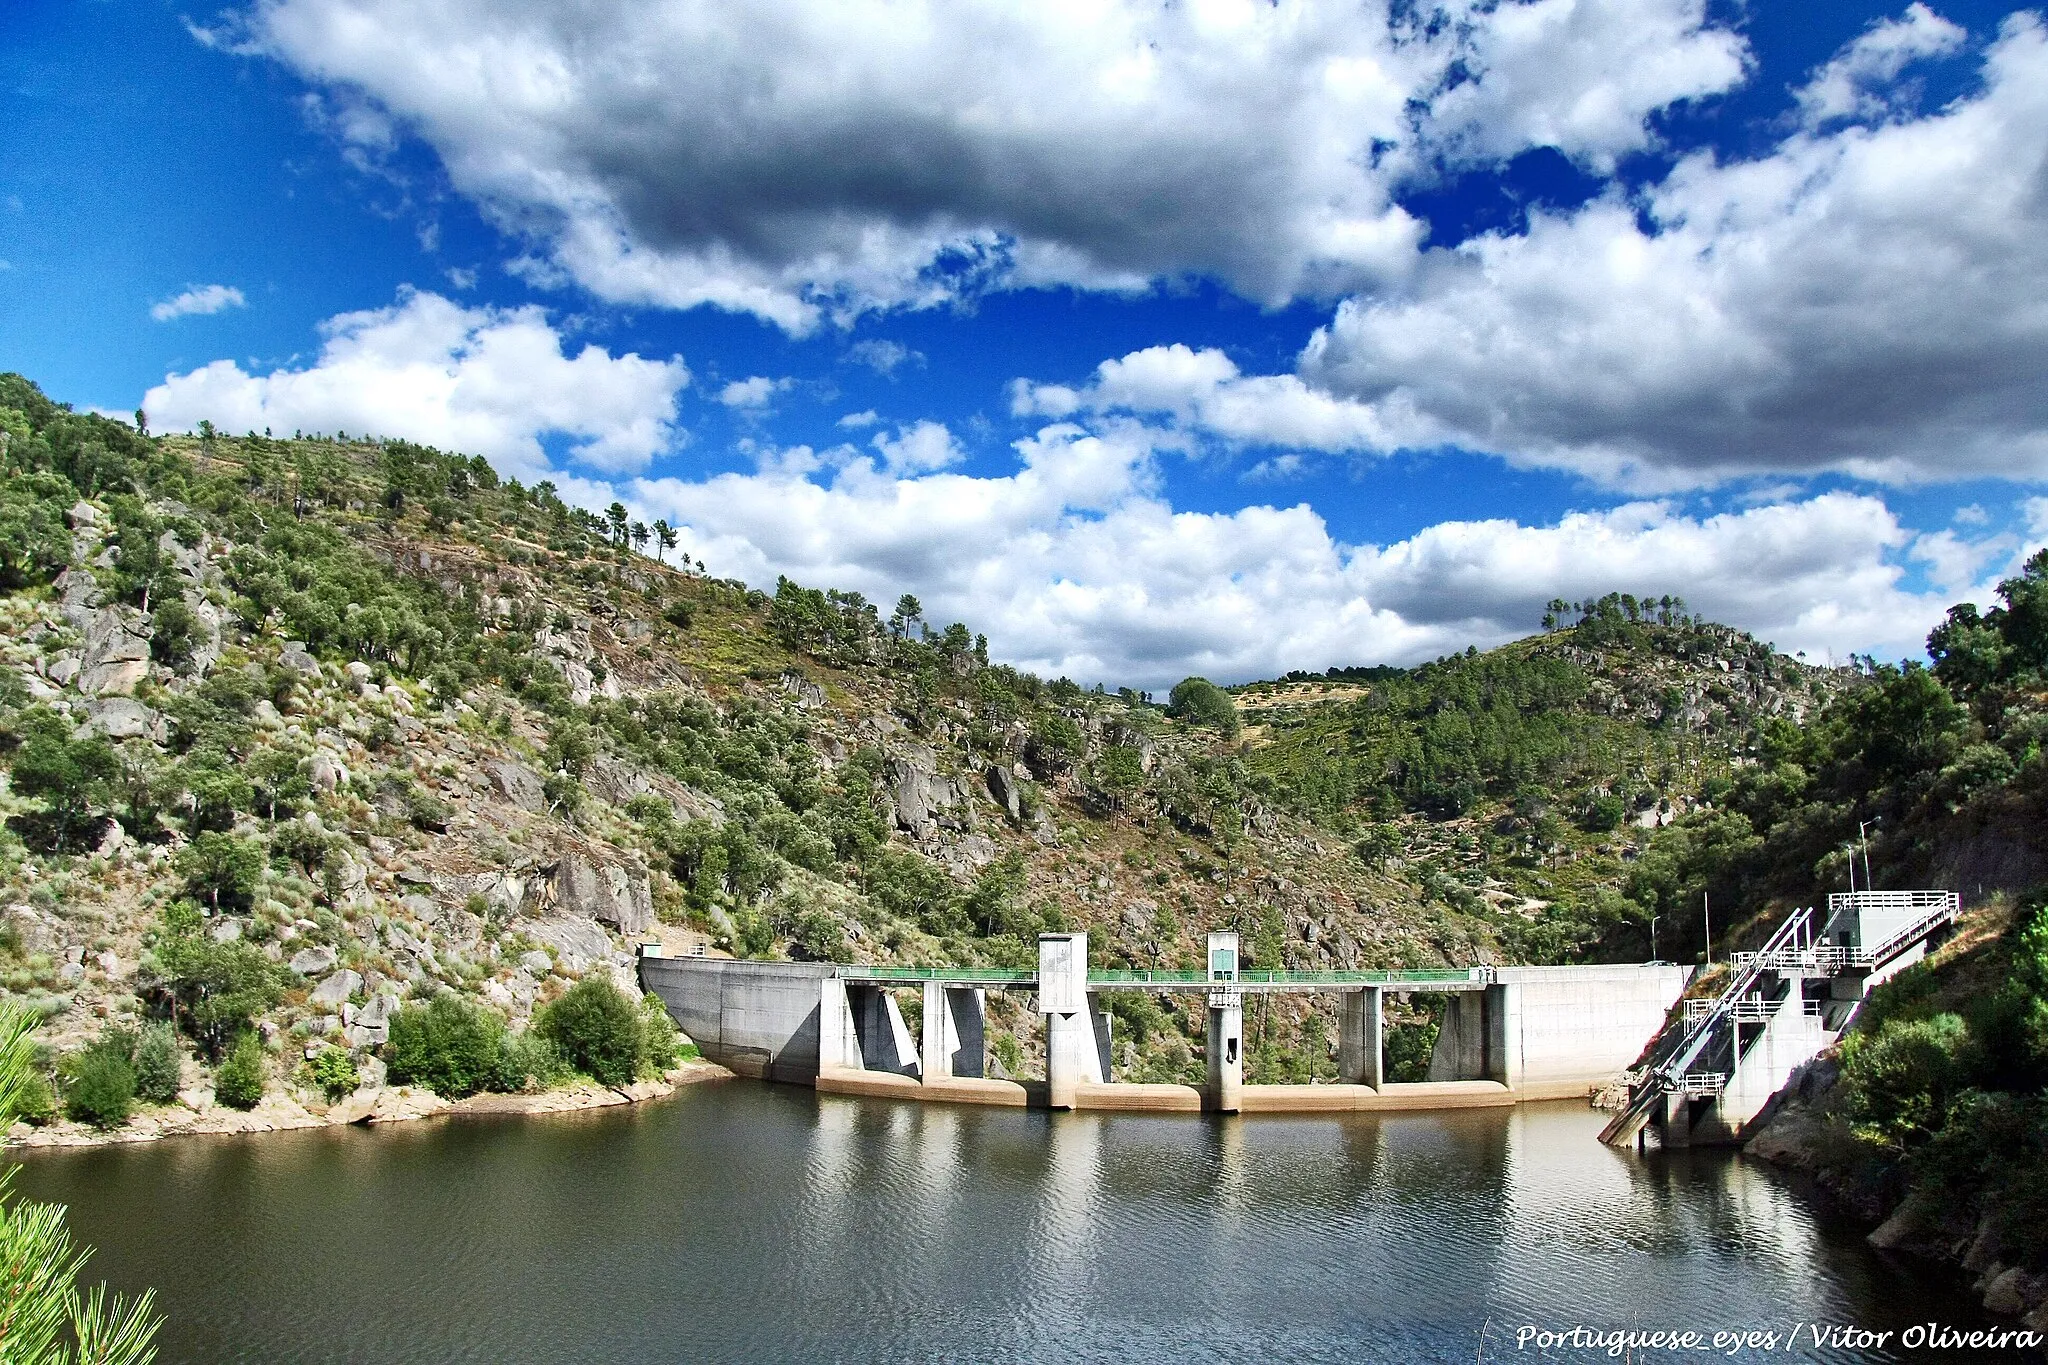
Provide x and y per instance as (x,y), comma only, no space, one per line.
(918,448)
(800,161)
(1865,300)
(1859,81)
(1204,391)
(198,301)
(489,381)
(853,421)
(1076,563)
(752,393)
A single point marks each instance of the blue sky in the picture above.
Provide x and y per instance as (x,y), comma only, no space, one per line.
(1149,339)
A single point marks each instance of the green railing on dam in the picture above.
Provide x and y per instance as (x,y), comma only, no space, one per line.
(1421,978)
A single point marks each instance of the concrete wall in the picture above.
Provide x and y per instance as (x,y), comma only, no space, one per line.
(759,1019)
(1581,1025)
(1554,1031)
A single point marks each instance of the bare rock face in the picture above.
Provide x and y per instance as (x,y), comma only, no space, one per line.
(809,696)
(615,894)
(124,718)
(923,797)
(79,597)
(519,784)
(617,781)
(579,941)
(116,657)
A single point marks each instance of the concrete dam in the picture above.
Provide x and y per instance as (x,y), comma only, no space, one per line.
(1510,1034)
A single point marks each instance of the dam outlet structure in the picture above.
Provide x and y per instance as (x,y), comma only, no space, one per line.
(1510,1034)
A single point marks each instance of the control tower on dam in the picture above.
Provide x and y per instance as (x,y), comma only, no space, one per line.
(1511,1033)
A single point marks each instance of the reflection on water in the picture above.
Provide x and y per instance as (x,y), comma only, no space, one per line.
(746,1222)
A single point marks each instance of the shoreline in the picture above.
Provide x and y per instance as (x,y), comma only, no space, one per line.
(196,1115)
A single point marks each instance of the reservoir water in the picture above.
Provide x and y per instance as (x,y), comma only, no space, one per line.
(742,1222)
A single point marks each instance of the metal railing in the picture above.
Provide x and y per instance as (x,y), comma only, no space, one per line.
(1829,959)
(1419,978)
(1795,932)
(963,976)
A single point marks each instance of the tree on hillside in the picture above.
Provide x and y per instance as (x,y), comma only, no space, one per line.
(639,533)
(615,515)
(44,1319)
(71,777)
(664,538)
(909,612)
(1204,703)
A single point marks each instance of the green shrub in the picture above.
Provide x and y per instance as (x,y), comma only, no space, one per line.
(527,1061)
(156,1065)
(599,1031)
(99,1087)
(449,1045)
(35,1103)
(664,1041)
(238,1083)
(333,1072)
(1899,1080)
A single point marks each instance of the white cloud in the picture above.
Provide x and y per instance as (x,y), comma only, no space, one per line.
(486,381)
(853,421)
(802,161)
(883,357)
(1858,81)
(2036,513)
(1074,563)
(462,277)
(752,393)
(198,301)
(1204,391)
(1578,75)
(1954,565)
(1972,515)
(1864,300)
(918,449)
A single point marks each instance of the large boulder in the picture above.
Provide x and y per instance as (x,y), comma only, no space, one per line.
(337,987)
(1002,786)
(294,657)
(34,931)
(313,961)
(124,718)
(914,789)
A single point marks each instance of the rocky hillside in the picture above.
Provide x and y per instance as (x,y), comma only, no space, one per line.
(297,730)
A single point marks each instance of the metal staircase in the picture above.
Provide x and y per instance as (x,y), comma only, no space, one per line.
(1701,1049)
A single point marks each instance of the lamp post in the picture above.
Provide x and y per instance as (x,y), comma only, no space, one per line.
(1653,938)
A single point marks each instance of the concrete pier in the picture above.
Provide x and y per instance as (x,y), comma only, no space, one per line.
(1361,1051)
(1225,1051)
(1071,1059)
(955,1031)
